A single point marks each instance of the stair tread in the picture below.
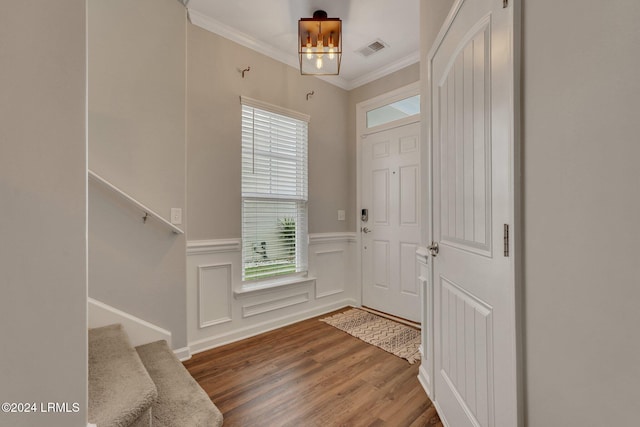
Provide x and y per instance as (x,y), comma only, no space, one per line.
(120,389)
(181,401)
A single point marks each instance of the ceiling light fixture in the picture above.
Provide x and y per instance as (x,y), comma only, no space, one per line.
(320,44)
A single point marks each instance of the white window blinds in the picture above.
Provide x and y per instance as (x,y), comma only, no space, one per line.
(274,191)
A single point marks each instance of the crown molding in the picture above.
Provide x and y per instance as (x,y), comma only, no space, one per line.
(206,22)
(383,71)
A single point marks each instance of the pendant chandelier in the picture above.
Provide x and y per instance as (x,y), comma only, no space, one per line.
(320,44)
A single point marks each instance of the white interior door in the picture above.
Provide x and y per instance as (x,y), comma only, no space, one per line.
(473,201)
(390,236)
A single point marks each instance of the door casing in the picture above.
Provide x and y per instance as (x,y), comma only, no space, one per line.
(361,132)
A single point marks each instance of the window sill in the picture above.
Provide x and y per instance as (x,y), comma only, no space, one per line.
(269,285)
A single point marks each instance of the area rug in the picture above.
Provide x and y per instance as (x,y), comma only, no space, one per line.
(393,337)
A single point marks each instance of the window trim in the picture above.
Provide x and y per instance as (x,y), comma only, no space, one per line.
(283,278)
(250,102)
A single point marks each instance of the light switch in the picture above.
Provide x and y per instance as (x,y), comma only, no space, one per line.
(176,216)
(341,215)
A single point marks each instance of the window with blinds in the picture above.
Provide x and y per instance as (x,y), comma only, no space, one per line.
(274,190)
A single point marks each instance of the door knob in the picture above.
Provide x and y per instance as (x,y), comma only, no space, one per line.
(366,230)
(433,249)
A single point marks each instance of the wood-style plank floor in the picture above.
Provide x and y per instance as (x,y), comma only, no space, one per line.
(311,374)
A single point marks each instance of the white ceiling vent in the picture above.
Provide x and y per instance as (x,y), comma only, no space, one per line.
(371,48)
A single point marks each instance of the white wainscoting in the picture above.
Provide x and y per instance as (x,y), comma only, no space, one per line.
(220,310)
(214,294)
(425,372)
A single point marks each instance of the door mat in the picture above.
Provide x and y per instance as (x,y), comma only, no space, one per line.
(393,337)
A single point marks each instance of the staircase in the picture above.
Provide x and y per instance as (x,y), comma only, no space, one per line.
(142,386)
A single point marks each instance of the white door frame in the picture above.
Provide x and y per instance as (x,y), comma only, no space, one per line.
(516,233)
(361,133)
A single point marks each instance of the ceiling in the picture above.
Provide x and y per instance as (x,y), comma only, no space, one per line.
(271,27)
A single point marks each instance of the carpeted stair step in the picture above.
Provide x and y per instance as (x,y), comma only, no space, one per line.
(121,391)
(181,401)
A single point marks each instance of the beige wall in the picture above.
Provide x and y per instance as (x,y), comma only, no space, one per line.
(214,85)
(137,54)
(581,104)
(42,194)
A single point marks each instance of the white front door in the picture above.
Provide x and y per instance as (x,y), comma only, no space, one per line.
(473,205)
(391,233)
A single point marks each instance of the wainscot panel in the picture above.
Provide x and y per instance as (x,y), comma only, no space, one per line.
(426,348)
(214,294)
(221,310)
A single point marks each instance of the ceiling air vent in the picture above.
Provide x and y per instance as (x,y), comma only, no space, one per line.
(371,48)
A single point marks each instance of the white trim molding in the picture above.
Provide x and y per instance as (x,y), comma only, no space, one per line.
(322,238)
(222,301)
(255,103)
(221,308)
(422,255)
(253,329)
(271,285)
(213,246)
(206,22)
(425,373)
(274,304)
(139,331)
(333,284)
(183,353)
(410,59)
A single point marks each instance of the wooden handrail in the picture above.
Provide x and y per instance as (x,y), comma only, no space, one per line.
(148,213)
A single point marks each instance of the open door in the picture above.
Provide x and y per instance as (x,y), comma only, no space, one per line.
(472,170)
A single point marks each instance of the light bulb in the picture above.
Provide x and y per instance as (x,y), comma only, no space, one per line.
(331,48)
(309,52)
(319,62)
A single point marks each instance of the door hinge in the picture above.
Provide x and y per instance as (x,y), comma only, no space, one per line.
(505,3)
(506,240)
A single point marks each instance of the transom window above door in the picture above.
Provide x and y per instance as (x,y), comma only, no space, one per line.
(397,110)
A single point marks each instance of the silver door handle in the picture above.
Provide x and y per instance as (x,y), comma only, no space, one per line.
(366,230)
(433,249)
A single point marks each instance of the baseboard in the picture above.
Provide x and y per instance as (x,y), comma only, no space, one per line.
(182,353)
(253,330)
(392,317)
(139,331)
(423,378)
(443,419)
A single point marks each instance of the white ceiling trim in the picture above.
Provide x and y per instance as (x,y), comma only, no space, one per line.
(383,71)
(206,22)
(217,27)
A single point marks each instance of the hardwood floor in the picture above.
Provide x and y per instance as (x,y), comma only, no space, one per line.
(311,374)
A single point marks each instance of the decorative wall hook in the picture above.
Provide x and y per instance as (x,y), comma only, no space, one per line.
(245,70)
(310,94)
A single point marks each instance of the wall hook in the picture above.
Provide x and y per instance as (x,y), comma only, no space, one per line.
(245,70)
(310,94)
(144,218)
